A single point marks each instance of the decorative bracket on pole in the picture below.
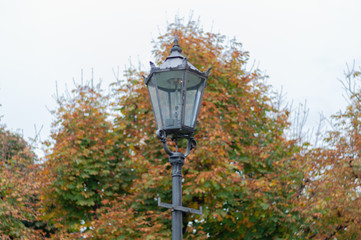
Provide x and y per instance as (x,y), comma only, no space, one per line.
(180,208)
(162,136)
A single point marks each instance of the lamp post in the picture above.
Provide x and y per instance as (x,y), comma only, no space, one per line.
(176,89)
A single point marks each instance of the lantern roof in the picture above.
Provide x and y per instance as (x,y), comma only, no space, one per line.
(175,61)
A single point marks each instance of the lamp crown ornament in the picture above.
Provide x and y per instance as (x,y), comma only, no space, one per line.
(176,46)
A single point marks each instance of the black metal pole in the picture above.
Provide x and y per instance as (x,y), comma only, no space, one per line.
(177,161)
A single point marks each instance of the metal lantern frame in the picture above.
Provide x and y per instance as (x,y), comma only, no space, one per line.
(176,126)
(176,65)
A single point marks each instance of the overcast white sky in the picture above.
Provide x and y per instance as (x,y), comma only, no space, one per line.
(302,45)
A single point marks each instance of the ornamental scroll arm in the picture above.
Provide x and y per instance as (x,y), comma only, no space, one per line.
(162,136)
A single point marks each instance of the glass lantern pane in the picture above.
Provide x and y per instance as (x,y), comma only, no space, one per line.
(152,89)
(194,90)
(170,97)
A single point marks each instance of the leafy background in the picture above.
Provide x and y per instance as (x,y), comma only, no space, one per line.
(252,172)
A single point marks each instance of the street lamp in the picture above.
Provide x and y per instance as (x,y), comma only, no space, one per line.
(176,89)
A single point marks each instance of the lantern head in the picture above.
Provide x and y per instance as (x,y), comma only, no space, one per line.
(176,89)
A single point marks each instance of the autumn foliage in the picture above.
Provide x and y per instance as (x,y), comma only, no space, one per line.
(104,168)
(332,187)
(19,189)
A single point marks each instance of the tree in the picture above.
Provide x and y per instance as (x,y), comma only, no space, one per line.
(244,172)
(104,168)
(331,194)
(19,189)
(83,168)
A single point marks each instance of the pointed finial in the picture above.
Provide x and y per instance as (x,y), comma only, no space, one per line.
(175,39)
(208,71)
(176,47)
(152,65)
